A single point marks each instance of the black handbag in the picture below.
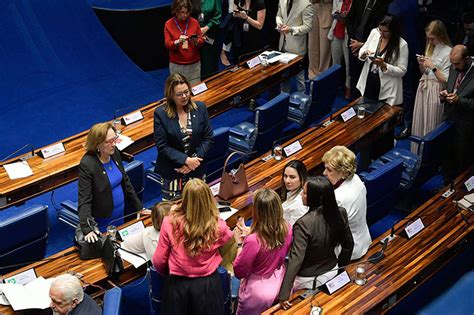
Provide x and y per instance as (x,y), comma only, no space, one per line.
(111,258)
(88,250)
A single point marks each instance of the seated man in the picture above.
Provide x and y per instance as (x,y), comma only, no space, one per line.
(67,297)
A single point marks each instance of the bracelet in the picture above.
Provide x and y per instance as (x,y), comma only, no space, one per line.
(239,245)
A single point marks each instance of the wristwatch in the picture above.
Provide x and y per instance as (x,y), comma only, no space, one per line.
(239,245)
(434,69)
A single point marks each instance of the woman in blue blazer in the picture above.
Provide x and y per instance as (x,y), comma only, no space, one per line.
(183,136)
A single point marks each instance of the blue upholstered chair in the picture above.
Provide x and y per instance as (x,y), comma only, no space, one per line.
(23,234)
(307,108)
(270,120)
(112,302)
(135,171)
(421,166)
(217,154)
(156,283)
(382,185)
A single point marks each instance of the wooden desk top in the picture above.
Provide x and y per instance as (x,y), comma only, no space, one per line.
(315,141)
(407,263)
(225,90)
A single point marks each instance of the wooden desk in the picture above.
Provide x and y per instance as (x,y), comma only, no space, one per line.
(407,264)
(315,141)
(225,90)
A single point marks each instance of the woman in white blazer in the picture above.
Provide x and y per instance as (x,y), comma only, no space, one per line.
(385,55)
(339,167)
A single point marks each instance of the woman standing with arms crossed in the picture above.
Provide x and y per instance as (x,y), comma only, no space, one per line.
(183,136)
(315,236)
(434,65)
(103,184)
(183,39)
(187,251)
(261,254)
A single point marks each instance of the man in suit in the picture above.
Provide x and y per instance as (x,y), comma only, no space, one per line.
(458,101)
(294,21)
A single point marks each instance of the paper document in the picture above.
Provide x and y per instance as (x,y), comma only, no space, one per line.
(32,295)
(287,57)
(3,299)
(18,170)
(134,260)
(123,142)
(227,214)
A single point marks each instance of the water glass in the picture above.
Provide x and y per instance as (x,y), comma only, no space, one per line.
(277,152)
(361,275)
(118,125)
(361,111)
(112,231)
(263,60)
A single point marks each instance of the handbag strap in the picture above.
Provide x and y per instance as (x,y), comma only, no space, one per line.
(228,158)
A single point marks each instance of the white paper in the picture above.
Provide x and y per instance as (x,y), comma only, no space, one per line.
(123,142)
(3,300)
(287,57)
(33,295)
(132,229)
(18,170)
(134,260)
(225,215)
(22,278)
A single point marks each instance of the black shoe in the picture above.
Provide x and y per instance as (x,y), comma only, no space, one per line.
(405,133)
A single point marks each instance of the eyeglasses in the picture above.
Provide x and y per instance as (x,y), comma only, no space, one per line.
(112,140)
(181,94)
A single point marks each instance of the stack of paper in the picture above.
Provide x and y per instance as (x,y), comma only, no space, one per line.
(18,170)
(34,295)
(123,142)
(133,259)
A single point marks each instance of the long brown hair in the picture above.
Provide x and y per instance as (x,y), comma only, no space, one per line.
(268,220)
(172,81)
(159,211)
(195,220)
(437,29)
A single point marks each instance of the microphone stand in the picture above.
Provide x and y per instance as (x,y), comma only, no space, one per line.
(32,154)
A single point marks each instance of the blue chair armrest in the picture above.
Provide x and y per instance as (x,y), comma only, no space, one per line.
(69,205)
(243,130)
(112,302)
(416,139)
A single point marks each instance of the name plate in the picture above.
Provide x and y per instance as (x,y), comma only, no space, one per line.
(215,188)
(255,61)
(201,87)
(52,150)
(469,183)
(292,148)
(132,117)
(414,227)
(348,114)
(22,278)
(130,230)
(337,282)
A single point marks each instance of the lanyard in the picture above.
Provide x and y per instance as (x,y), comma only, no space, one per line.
(177,25)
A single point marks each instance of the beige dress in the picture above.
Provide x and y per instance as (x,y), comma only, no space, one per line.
(428,110)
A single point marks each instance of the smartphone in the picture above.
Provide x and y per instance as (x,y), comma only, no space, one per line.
(194,36)
(371,57)
(224,209)
(224,203)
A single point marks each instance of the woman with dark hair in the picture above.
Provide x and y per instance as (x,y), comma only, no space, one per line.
(103,185)
(315,236)
(292,181)
(183,39)
(261,254)
(183,136)
(385,56)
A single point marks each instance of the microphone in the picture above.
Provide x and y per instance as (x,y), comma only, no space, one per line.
(378,256)
(32,154)
(244,56)
(125,216)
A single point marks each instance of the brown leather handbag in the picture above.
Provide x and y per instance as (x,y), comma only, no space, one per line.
(234,183)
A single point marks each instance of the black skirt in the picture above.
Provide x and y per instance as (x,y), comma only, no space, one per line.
(202,295)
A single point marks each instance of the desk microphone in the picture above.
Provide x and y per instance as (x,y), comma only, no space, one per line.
(125,216)
(19,150)
(244,56)
(378,256)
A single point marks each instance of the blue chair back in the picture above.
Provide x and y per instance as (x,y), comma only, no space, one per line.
(270,119)
(225,281)
(24,234)
(112,302)
(382,185)
(136,172)
(218,153)
(323,90)
(155,289)
(431,151)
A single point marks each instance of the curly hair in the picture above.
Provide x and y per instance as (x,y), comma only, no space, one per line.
(342,160)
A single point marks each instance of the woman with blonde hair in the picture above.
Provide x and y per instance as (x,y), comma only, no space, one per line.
(187,251)
(103,185)
(183,135)
(434,65)
(340,165)
(261,254)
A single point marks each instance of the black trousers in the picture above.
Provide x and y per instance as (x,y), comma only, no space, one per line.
(183,295)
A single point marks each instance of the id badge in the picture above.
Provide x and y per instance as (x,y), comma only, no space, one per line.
(185,45)
(201,18)
(246,26)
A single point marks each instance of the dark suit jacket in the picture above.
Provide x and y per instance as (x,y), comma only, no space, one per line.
(312,252)
(170,146)
(464,109)
(354,17)
(95,192)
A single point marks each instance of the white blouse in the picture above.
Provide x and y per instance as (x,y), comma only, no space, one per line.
(144,242)
(293,208)
(440,58)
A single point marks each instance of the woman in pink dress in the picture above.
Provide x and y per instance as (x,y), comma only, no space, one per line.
(261,254)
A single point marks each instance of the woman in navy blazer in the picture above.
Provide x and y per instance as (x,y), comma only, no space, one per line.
(183,136)
(104,187)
